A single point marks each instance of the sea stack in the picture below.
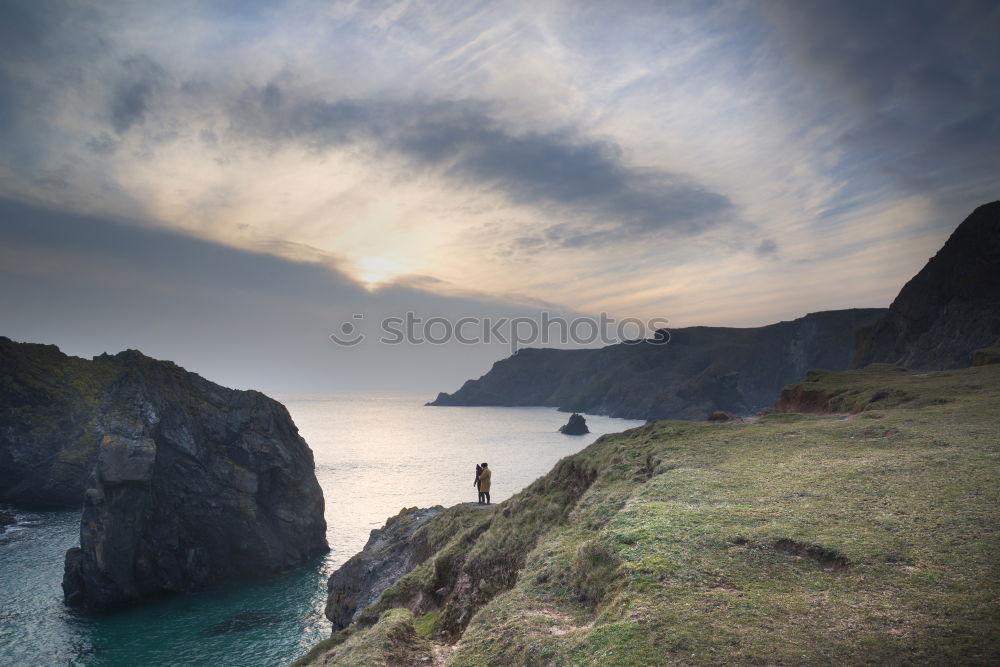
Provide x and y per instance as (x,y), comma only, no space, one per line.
(576,425)
(193,484)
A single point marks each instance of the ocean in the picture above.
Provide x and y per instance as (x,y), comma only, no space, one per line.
(375,454)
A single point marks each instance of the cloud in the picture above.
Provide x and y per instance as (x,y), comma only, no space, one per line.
(92,284)
(567,174)
(134,91)
(915,86)
(766,248)
(602,156)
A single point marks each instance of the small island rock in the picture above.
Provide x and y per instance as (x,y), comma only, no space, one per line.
(576,425)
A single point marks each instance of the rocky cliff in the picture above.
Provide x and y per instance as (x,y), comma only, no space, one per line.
(700,370)
(949,309)
(391,552)
(193,483)
(48,406)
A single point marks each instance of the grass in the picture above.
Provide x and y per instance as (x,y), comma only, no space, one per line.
(391,641)
(864,535)
(987,355)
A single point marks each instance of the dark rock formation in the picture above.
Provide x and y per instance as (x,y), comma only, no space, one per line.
(189,482)
(576,425)
(193,484)
(723,416)
(949,309)
(391,552)
(48,439)
(700,370)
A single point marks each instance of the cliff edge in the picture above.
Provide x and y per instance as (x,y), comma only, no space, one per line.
(785,540)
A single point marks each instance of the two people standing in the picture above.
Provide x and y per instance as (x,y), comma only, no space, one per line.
(482,483)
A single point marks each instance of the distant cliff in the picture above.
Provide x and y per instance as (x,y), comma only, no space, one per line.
(701,370)
(949,309)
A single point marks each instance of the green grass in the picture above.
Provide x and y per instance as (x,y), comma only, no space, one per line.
(427,624)
(391,641)
(867,536)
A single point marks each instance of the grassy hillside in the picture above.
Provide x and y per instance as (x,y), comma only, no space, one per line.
(864,535)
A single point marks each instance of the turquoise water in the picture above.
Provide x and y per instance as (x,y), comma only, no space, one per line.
(375,454)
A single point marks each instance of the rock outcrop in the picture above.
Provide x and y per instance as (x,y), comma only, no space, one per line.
(193,483)
(183,482)
(576,425)
(949,309)
(700,370)
(460,558)
(48,439)
(391,552)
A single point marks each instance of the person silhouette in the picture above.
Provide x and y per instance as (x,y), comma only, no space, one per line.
(485,476)
(479,470)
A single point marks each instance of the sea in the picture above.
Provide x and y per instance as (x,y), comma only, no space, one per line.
(375,454)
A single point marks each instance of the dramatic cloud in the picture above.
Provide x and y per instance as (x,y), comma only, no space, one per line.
(563,173)
(245,319)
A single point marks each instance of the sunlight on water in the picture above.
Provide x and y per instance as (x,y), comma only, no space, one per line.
(375,454)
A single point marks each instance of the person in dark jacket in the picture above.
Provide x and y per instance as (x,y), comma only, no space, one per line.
(484,484)
(479,471)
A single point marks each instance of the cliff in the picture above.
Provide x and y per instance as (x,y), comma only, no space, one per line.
(786,540)
(701,370)
(183,483)
(193,484)
(48,436)
(391,551)
(949,309)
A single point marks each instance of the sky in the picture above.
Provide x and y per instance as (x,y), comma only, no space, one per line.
(226,183)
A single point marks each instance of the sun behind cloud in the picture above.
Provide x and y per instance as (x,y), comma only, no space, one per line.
(375,271)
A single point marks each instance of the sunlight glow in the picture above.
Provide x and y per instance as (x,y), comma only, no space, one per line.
(374,271)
